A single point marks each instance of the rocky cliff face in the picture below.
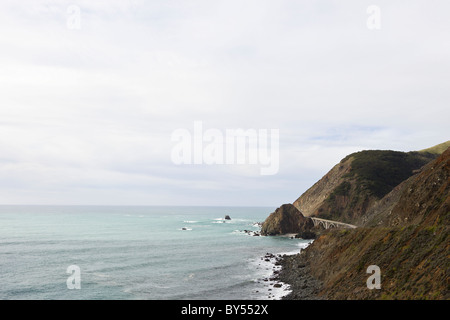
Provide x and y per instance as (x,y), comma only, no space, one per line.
(310,201)
(358,182)
(425,200)
(286,219)
(407,238)
(406,203)
(381,209)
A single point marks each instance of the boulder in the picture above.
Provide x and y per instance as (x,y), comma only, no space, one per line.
(286,219)
(227,217)
(306,235)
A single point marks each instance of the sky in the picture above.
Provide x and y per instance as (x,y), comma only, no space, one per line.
(93,94)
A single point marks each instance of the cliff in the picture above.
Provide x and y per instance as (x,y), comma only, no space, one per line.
(358,182)
(405,234)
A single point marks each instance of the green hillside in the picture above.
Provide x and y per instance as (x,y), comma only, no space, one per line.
(379,171)
(437,149)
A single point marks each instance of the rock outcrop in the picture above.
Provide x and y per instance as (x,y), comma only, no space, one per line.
(286,219)
(313,198)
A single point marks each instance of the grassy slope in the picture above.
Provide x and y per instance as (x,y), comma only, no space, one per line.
(437,149)
(413,262)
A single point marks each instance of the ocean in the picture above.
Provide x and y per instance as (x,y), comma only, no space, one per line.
(138,252)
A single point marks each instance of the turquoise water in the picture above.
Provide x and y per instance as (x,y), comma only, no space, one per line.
(136,252)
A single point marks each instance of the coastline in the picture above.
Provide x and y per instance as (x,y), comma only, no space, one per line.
(291,277)
(296,272)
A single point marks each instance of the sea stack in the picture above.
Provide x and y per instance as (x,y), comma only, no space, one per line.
(227,217)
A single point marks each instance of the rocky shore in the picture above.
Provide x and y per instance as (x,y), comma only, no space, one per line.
(296,273)
(290,279)
(293,270)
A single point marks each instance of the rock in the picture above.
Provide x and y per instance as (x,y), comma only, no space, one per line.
(277,285)
(227,217)
(183,229)
(286,219)
(252,233)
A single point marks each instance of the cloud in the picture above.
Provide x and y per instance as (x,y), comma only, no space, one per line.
(86,114)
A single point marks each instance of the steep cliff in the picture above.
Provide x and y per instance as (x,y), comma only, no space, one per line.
(361,179)
(407,238)
(286,219)
(311,200)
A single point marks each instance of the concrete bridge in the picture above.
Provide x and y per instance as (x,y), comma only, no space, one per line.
(331,224)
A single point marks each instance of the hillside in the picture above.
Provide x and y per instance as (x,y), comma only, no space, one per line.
(361,179)
(408,241)
(437,149)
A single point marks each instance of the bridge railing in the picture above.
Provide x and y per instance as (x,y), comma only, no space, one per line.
(331,224)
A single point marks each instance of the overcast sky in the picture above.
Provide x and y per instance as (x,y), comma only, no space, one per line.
(92,91)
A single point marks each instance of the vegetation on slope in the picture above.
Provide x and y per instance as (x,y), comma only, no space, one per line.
(379,171)
(437,149)
(372,175)
(413,262)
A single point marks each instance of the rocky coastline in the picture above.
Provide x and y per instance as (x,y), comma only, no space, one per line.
(296,273)
(291,270)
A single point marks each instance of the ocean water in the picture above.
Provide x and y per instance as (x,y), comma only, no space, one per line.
(170,253)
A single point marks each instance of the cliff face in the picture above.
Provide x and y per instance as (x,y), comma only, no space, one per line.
(381,209)
(414,198)
(310,201)
(413,263)
(408,239)
(358,182)
(426,199)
